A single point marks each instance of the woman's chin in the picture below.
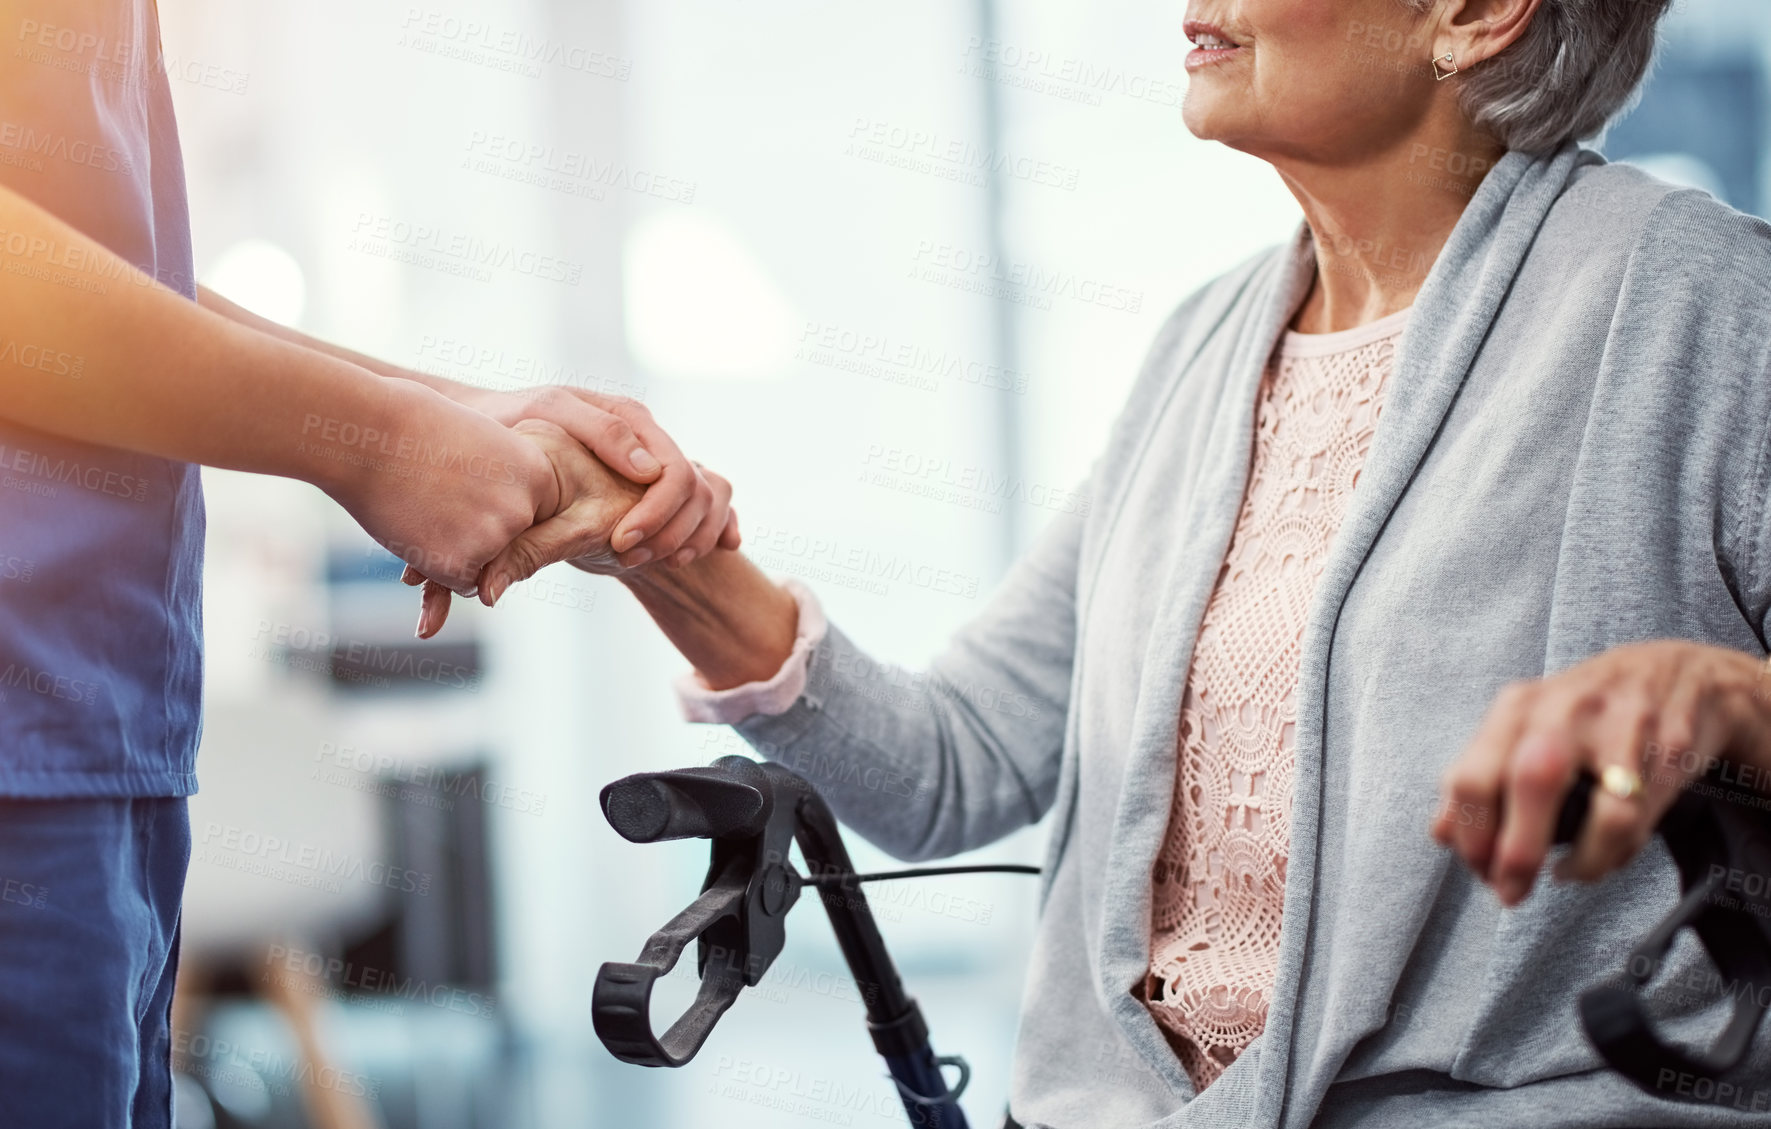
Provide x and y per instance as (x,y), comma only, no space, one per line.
(1207,116)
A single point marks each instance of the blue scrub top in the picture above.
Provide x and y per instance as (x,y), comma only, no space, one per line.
(101,551)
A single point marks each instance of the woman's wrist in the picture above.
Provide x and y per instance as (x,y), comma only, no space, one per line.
(725,616)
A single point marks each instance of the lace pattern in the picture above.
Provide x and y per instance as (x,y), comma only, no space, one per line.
(1219,880)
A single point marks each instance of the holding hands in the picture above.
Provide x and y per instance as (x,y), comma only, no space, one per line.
(685,511)
(660,507)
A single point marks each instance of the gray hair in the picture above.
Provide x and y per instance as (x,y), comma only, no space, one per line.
(1578,66)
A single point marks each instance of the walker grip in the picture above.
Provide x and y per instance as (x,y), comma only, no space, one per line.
(738,922)
(1719,834)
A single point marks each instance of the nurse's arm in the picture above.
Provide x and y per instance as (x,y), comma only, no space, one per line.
(617,430)
(91,349)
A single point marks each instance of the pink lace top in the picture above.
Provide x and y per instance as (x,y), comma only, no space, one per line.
(1219,880)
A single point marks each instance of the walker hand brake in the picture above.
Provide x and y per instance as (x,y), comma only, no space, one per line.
(739,919)
(1720,837)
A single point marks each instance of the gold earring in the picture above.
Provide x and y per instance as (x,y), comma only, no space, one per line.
(1449,60)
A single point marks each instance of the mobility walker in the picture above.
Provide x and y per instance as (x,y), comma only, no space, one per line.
(1718,832)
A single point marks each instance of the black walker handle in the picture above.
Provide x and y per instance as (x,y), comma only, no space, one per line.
(1714,834)
(620,1004)
(754,813)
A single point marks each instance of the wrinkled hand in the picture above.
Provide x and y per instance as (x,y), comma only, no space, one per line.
(670,521)
(588,505)
(719,529)
(1667,710)
(590,502)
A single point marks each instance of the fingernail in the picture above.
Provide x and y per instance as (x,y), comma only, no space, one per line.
(639,558)
(642,460)
(496,590)
(418,631)
(683,557)
(627,540)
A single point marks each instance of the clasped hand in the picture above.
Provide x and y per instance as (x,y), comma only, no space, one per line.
(661,509)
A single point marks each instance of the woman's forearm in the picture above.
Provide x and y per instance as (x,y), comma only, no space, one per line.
(730,621)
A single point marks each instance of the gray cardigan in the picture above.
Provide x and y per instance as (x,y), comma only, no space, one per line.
(1572,456)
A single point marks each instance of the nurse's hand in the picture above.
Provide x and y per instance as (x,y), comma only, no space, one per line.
(1656,715)
(586,509)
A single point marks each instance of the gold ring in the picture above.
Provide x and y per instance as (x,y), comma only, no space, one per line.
(1621,782)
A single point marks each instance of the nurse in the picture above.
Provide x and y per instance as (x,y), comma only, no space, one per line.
(118,375)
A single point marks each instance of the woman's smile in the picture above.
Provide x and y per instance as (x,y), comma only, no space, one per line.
(1210,45)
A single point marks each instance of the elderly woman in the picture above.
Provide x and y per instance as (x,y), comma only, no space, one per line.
(1497,417)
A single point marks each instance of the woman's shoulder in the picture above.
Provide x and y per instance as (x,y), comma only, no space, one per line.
(1647,225)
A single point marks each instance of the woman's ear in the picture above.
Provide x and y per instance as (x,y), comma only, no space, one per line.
(1474,30)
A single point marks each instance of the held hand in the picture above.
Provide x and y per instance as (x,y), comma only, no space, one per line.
(681,500)
(1659,713)
(447,500)
(718,530)
(589,503)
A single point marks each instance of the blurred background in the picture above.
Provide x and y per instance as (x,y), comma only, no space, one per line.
(890,268)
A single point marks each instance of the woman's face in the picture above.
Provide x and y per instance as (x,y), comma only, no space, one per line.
(1324,81)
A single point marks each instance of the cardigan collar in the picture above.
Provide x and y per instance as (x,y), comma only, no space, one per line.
(1457,304)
